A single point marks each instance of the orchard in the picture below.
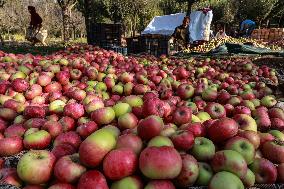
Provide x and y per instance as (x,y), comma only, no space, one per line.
(89,118)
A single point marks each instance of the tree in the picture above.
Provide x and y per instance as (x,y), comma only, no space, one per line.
(66,11)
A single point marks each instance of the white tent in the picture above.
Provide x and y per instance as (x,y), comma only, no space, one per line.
(164,25)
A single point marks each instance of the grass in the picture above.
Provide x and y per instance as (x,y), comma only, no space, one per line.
(22,47)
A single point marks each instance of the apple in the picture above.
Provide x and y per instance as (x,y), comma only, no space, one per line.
(61,186)
(189,172)
(203,116)
(34,112)
(280,173)
(276,113)
(231,161)
(15,130)
(241,110)
(215,110)
(9,177)
(35,167)
(132,182)
(243,146)
(43,80)
(246,122)
(273,151)
(92,178)
(70,137)
(252,136)
(94,148)
(225,180)
(130,141)
(37,140)
(10,146)
(153,106)
(62,150)
(120,163)
(185,91)
(229,128)
(197,129)
(209,94)
(205,174)
(20,85)
(249,179)
(156,184)
(67,123)
(182,115)
(74,110)
(103,116)
(150,127)
(183,140)
(7,114)
(87,129)
(68,169)
(160,162)
(203,149)
(94,105)
(133,101)
(121,108)
(268,101)
(159,141)
(54,128)
(265,172)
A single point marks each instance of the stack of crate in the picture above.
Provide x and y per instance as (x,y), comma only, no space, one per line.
(268,34)
(107,34)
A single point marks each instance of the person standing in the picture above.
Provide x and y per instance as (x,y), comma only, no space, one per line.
(247,27)
(181,34)
(35,25)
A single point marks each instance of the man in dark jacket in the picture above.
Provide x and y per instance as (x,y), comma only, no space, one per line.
(35,24)
(181,34)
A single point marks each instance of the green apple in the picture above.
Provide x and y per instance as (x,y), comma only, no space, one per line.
(268,101)
(159,141)
(195,119)
(56,106)
(130,182)
(249,179)
(225,180)
(203,149)
(243,146)
(256,102)
(277,134)
(100,86)
(246,122)
(205,174)
(121,108)
(203,116)
(133,101)
(231,161)
(117,89)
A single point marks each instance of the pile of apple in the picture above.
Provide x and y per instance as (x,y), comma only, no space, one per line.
(214,43)
(93,119)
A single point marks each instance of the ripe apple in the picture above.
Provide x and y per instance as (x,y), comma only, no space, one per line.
(183,140)
(249,179)
(160,162)
(67,123)
(215,110)
(10,146)
(94,148)
(92,178)
(70,137)
(185,91)
(127,121)
(189,171)
(130,141)
(252,136)
(74,110)
(120,163)
(68,169)
(150,127)
(265,172)
(155,184)
(15,130)
(35,167)
(37,140)
(268,101)
(229,128)
(274,151)
(231,161)
(54,128)
(246,122)
(87,129)
(103,116)
(121,108)
(182,115)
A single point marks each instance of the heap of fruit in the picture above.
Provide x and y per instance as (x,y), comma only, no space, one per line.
(214,43)
(93,119)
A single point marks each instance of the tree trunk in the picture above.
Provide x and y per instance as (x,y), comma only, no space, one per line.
(88,21)
(2,40)
(65,25)
(189,6)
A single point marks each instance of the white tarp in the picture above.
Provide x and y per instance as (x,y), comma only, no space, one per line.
(164,25)
(199,26)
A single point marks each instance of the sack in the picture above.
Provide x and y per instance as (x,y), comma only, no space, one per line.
(41,35)
(33,34)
